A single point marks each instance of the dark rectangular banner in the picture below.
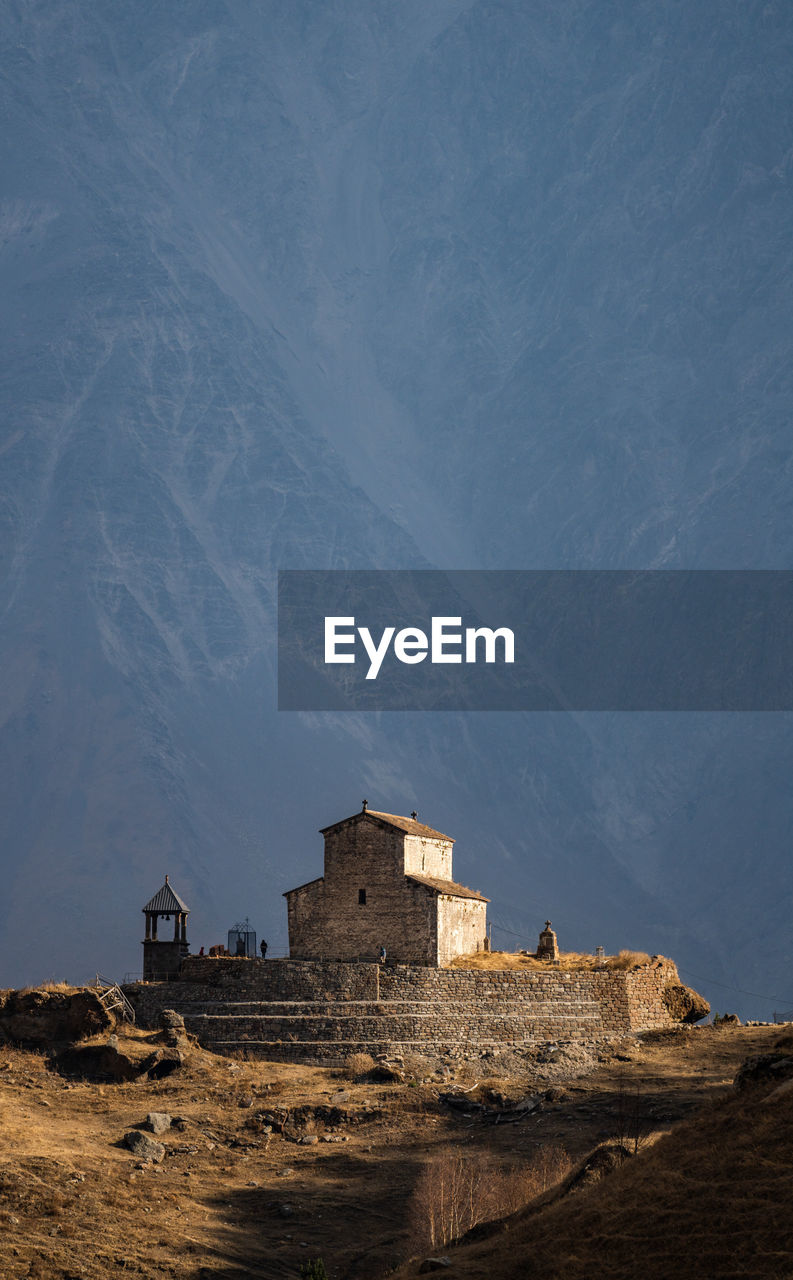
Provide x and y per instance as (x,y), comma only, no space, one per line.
(535,640)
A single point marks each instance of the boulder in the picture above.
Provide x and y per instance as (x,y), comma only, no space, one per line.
(41,1018)
(173,1033)
(163,1063)
(141,1145)
(685,1004)
(769,1069)
(386,1073)
(101,1062)
(158,1121)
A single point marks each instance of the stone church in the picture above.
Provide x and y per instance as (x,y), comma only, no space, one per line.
(387,883)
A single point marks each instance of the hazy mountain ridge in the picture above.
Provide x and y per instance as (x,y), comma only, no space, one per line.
(458,284)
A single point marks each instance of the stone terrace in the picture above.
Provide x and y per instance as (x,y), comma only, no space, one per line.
(313,1010)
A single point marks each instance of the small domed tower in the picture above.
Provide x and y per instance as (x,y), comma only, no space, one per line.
(162,958)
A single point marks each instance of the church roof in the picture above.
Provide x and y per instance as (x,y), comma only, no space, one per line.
(307,885)
(448,887)
(410,826)
(166,901)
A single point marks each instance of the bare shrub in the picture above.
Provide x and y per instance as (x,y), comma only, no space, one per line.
(314,1269)
(358,1064)
(456,1190)
(633,1120)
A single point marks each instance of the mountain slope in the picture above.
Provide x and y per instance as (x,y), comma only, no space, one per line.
(454,284)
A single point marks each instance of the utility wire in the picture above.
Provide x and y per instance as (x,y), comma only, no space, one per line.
(786,1000)
(511,932)
(728,987)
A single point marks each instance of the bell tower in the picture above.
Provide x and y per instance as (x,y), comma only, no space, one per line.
(163,957)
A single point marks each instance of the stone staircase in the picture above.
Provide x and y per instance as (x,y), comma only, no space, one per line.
(324,1010)
(329,1030)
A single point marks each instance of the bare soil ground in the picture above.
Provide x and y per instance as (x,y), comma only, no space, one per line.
(230,1200)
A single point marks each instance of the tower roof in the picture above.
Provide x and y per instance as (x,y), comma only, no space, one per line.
(449,888)
(410,826)
(166,901)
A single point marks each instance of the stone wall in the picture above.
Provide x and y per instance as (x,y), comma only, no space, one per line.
(644,1006)
(305,907)
(462,927)
(425,857)
(329,920)
(162,959)
(312,1010)
(203,978)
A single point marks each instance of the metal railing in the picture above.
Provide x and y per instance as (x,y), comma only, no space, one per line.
(112,997)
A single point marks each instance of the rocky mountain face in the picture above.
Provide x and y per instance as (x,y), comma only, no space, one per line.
(449,283)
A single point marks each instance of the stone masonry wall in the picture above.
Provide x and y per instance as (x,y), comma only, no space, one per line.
(305,908)
(313,1010)
(397,914)
(425,857)
(645,1008)
(462,926)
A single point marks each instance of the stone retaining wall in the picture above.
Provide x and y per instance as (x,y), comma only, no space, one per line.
(314,1010)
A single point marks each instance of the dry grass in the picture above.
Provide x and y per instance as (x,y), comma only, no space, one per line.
(467,1072)
(711,1198)
(629,960)
(417,1066)
(568,960)
(75,1203)
(54,986)
(358,1065)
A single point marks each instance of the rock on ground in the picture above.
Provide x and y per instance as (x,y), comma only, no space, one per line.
(685,1004)
(158,1121)
(42,1018)
(102,1062)
(764,1069)
(140,1144)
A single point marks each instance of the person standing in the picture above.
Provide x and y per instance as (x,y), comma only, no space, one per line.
(263,949)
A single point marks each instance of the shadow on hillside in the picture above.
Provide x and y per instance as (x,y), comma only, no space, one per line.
(351,1206)
(351,1210)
